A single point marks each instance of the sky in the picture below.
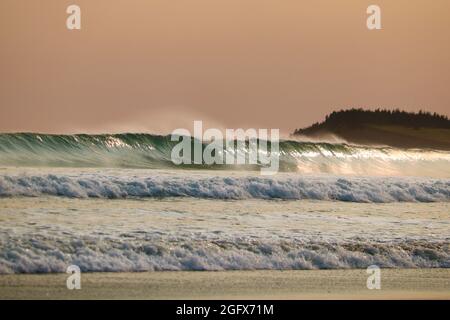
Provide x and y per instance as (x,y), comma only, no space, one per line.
(157,65)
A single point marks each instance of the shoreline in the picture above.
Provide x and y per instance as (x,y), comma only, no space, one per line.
(264,284)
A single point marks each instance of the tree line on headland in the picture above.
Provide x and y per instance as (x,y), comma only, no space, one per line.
(387,127)
(383,117)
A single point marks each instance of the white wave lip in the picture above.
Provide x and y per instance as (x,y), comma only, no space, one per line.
(100,255)
(351,189)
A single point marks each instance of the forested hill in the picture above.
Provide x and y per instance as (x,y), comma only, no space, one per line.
(386,127)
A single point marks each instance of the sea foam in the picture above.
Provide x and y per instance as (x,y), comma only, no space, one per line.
(45,255)
(290,187)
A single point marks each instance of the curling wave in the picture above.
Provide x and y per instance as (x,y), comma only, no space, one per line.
(153,151)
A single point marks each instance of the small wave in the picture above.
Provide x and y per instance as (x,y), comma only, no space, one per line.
(354,189)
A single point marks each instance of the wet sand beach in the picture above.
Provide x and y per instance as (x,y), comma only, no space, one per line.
(297,284)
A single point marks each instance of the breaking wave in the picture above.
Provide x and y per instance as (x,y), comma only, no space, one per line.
(45,255)
(153,151)
(157,185)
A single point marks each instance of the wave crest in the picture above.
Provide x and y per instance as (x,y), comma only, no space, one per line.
(153,151)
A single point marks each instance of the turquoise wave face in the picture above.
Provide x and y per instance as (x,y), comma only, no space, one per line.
(122,150)
(154,151)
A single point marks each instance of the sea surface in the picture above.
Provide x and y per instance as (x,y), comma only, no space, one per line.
(117,203)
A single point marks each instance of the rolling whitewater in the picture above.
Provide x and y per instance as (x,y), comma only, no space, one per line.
(118,203)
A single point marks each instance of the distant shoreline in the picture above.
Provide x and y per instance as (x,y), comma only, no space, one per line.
(265,284)
(383,127)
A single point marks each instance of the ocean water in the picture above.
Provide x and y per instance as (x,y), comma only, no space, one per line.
(116,203)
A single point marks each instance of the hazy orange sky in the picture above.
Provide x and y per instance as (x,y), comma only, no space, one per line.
(156,65)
